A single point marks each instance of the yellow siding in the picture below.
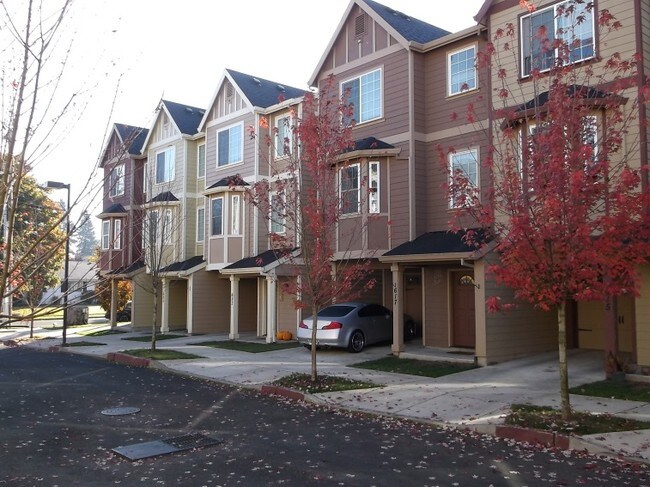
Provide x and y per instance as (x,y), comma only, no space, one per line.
(643,319)
(210,303)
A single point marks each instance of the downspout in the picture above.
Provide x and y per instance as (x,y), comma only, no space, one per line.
(411,161)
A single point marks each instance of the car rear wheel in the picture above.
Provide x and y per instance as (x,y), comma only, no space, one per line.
(357,342)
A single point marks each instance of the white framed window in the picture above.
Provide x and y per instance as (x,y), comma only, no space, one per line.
(465,164)
(373,188)
(153,226)
(165,165)
(117,234)
(161,231)
(277,213)
(350,189)
(167,231)
(230,145)
(200,161)
(216,216)
(461,71)
(200,224)
(569,21)
(235,214)
(365,94)
(106,234)
(283,137)
(116,181)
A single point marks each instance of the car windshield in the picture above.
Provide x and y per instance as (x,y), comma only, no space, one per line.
(335,311)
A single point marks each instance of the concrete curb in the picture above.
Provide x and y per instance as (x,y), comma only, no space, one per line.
(126,359)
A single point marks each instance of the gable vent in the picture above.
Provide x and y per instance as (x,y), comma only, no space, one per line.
(360,25)
(228,90)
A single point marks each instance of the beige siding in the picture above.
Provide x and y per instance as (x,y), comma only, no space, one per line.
(178,304)
(142,312)
(642,312)
(245,168)
(286,317)
(210,303)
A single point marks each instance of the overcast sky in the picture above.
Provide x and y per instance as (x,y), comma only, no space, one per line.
(179,49)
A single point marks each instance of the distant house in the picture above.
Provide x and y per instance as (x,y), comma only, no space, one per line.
(82,279)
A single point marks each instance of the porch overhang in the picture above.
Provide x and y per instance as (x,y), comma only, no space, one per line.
(439,246)
(127,272)
(114,211)
(260,264)
(184,268)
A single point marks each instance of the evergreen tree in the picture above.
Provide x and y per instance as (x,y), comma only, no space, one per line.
(86,239)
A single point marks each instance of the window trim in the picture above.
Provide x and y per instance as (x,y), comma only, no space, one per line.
(476,156)
(376,191)
(200,224)
(358,189)
(117,234)
(279,144)
(212,232)
(235,214)
(449,71)
(241,143)
(278,227)
(540,11)
(106,234)
(117,183)
(200,174)
(381,94)
(171,172)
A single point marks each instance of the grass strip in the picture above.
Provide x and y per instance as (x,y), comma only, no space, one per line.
(615,389)
(84,344)
(160,354)
(324,383)
(250,347)
(423,368)
(147,338)
(549,419)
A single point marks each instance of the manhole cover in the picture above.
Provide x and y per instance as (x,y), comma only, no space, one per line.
(150,449)
(120,411)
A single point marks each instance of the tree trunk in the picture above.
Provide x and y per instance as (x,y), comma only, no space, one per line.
(154,318)
(314,325)
(564,370)
(31,325)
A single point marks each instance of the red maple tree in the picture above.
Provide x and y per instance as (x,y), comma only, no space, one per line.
(301,197)
(567,211)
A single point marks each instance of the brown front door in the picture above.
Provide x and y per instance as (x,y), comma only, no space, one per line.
(464,318)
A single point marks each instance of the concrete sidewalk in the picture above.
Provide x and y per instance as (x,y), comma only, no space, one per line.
(476,399)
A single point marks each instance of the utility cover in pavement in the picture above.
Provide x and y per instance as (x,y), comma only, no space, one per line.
(176,444)
(121,411)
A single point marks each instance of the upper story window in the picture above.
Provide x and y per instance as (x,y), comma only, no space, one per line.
(570,22)
(373,188)
(165,165)
(464,164)
(160,227)
(235,215)
(283,136)
(277,210)
(166,127)
(106,234)
(200,224)
(364,93)
(116,181)
(461,71)
(200,161)
(350,189)
(230,145)
(216,216)
(117,234)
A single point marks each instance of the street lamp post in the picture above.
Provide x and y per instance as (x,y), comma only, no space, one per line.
(64,285)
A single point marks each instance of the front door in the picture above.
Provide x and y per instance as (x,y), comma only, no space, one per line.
(463,309)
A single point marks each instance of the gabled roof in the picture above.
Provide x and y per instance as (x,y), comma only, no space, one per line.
(131,136)
(258,92)
(115,209)
(402,27)
(261,92)
(410,28)
(165,196)
(187,118)
(228,181)
(370,143)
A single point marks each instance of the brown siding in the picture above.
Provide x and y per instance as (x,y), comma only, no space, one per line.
(642,312)
(399,202)
(287,317)
(248,305)
(350,234)
(378,232)
(435,325)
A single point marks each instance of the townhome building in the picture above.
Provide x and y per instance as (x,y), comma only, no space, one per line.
(174,179)
(121,217)
(626,328)
(237,237)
